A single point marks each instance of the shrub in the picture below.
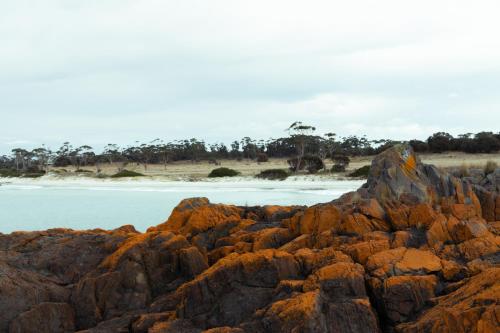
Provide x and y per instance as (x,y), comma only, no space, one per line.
(223,172)
(262,157)
(126,173)
(490,167)
(273,174)
(341,159)
(361,172)
(83,171)
(9,173)
(33,174)
(27,174)
(309,162)
(337,168)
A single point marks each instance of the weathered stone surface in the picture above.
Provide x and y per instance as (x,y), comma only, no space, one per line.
(234,287)
(45,318)
(472,308)
(405,296)
(403,261)
(338,281)
(315,219)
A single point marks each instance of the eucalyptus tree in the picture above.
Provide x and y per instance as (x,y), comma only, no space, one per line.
(43,156)
(300,133)
(111,152)
(19,161)
(86,154)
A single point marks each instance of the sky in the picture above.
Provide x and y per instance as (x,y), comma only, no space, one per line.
(116,71)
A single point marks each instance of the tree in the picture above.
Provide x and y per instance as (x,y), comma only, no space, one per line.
(300,133)
(440,142)
(111,152)
(63,155)
(249,148)
(327,145)
(487,142)
(19,158)
(340,162)
(42,155)
(85,154)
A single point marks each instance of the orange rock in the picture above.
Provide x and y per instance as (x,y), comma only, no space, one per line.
(361,251)
(418,262)
(360,224)
(402,239)
(381,264)
(315,219)
(463,211)
(478,247)
(405,296)
(371,208)
(339,280)
(471,308)
(301,313)
(197,215)
(451,270)
(402,261)
(439,231)
(421,216)
(271,238)
(312,260)
(297,243)
(209,299)
(398,217)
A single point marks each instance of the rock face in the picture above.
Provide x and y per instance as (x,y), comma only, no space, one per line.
(413,250)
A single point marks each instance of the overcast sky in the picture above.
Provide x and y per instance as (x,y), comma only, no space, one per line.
(100,71)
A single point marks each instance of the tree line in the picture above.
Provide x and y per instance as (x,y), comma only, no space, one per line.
(301,146)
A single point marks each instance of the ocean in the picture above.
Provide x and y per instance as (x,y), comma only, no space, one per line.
(38,204)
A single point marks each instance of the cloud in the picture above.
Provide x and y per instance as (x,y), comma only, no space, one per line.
(116,69)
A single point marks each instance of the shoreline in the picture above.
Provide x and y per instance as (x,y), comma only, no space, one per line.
(189,171)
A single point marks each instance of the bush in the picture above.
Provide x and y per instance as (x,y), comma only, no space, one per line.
(83,171)
(361,172)
(309,162)
(341,161)
(223,172)
(262,157)
(33,174)
(273,174)
(9,173)
(490,167)
(126,173)
(337,168)
(28,174)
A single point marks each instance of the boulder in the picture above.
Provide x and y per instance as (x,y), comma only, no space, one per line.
(234,287)
(45,318)
(471,308)
(403,297)
(403,261)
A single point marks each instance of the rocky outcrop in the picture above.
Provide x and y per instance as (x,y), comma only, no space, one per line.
(413,250)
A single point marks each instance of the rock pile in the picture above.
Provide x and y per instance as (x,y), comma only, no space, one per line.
(414,250)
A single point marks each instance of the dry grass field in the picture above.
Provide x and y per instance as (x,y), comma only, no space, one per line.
(188,170)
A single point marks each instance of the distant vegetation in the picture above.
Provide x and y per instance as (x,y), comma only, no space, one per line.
(273,174)
(304,150)
(126,173)
(223,172)
(361,172)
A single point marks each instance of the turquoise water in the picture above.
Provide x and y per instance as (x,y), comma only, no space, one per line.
(82,204)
